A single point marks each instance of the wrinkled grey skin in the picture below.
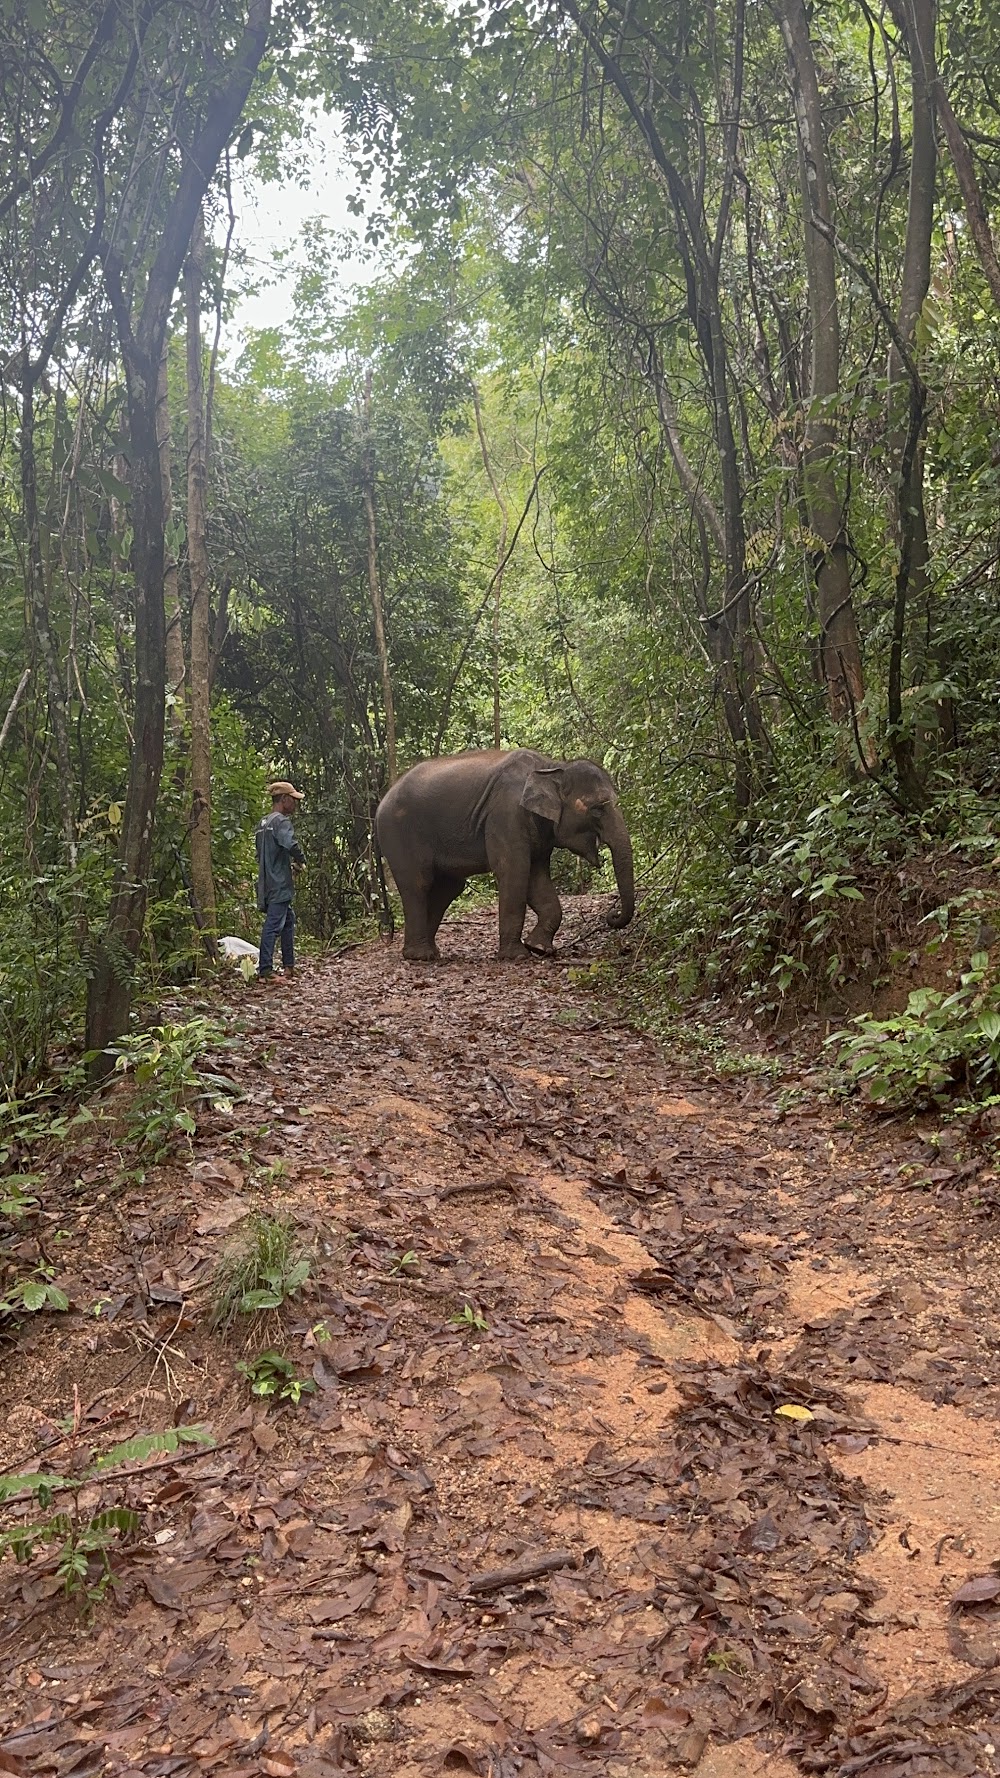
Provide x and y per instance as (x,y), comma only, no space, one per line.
(449,819)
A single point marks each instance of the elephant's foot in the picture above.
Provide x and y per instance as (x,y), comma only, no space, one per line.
(540,944)
(514,953)
(421,953)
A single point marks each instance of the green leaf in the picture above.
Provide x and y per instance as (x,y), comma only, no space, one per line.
(10,1485)
(111,485)
(150,1444)
(260,1299)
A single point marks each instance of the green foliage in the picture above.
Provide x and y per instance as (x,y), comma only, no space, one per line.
(76,1541)
(41,1117)
(793,896)
(263,1266)
(42,967)
(819,888)
(308,611)
(539,262)
(270,1374)
(36,1292)
(469,1319)
(80,1541)
(15,1194)
(941,1045)
(164,1062)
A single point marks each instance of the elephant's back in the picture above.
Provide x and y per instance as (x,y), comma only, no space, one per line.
(437,810)
(455,775)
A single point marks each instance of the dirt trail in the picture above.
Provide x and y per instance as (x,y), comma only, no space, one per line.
(569,1532)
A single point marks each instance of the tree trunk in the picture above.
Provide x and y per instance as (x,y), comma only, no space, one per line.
(375,585)
(202,880)
(907,406)
(976,212)
(501,559)
(110,988)
(38,604)
(840,651)
(176,672)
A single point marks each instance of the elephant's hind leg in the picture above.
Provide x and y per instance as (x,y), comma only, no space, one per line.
(544,900)
(443,891)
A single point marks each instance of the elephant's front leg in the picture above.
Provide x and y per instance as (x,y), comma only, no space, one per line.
(512,883)
(542,897)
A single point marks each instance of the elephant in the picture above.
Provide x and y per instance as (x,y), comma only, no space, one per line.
(448,819)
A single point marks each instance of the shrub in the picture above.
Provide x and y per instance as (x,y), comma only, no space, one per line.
(164,1063)
(939,1045)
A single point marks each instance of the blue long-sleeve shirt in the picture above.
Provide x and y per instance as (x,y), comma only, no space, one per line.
(277,850)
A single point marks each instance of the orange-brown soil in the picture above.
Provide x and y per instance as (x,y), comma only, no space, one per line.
(541,1513)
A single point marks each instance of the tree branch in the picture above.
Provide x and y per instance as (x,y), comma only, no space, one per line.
(70,100)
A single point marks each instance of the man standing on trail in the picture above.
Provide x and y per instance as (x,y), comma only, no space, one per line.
(277,851)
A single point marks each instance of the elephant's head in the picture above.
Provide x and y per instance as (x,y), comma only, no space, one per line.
(580,801)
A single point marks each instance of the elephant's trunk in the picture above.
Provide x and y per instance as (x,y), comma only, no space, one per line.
(616,837)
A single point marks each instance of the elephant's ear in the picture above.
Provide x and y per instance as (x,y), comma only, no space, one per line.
(541,792)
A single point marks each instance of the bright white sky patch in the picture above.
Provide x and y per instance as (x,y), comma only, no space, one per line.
(270,218)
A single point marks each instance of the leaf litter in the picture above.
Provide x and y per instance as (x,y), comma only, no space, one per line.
(594,1477)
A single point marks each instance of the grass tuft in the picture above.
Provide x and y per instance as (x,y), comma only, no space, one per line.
(260,1269)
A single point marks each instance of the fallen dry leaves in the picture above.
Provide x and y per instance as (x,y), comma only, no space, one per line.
(547,1510)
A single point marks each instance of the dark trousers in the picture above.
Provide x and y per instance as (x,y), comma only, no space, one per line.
(279,918)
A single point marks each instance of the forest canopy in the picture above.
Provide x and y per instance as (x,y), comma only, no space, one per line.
(666,434)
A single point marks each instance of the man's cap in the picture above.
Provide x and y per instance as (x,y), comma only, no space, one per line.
(280,788)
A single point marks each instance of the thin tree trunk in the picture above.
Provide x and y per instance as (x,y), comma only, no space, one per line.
(38,604)
(110,990)
(375,584)
(200,827)
(12,707)
(463,653)
(501,559)
(840,651)
(972,198)
(698,497)
(907,406)
(176,672)
(220,627)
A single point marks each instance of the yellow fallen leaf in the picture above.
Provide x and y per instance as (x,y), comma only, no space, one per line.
(790,1410)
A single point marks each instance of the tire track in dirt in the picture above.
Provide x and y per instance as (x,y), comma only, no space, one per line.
(658,1263)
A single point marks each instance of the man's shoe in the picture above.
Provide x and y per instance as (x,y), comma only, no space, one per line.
(265,976)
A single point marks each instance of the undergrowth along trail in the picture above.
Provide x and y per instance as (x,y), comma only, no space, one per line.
(541,1508)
